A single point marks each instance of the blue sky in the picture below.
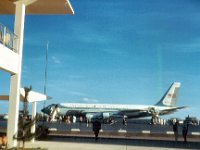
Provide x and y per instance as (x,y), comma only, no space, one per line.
(112,51)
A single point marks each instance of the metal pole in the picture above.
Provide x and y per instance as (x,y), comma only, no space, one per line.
(45,74)
(46,65)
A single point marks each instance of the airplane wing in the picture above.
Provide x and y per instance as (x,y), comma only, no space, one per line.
(171,110)
(152,111)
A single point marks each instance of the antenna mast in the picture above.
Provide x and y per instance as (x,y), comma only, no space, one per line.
(45,72)
(46,65)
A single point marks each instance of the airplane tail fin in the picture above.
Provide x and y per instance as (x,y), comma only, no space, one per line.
(170,97)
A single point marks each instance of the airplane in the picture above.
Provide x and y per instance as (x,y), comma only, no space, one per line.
(166,105)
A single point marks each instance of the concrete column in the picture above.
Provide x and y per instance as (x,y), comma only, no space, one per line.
(34,104)
(15,80)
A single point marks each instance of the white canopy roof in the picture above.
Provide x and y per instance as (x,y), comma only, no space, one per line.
(38,7)
(32,96)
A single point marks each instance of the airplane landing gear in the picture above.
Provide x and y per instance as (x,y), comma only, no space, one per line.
(155,120)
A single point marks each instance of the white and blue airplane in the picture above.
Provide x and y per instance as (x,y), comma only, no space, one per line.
(166,105)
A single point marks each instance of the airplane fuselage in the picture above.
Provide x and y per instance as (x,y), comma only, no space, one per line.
(166,105)
(131,111)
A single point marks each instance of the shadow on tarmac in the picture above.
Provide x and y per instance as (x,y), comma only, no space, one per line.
(127,142)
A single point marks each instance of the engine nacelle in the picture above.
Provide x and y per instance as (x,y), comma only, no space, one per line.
(153,112)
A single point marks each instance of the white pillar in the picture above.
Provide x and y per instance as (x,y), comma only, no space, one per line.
(15,79)
(34,104)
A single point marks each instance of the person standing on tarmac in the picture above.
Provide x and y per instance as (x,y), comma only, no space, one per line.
(175,129)
(124,121)
(185,131)
(96,128)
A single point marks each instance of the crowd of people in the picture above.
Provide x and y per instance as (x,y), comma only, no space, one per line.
(56,117)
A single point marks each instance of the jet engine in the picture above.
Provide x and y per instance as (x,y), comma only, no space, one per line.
(151,110)
(154,114)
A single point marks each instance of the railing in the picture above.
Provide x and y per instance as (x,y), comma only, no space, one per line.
(7,37)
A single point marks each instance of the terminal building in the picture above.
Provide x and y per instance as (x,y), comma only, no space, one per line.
(11,48)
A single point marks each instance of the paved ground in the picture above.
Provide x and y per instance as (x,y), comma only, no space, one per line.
(80,137)
(111,144)
(92,146)
(88,146)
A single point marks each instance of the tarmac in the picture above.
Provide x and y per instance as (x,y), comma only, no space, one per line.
(79,143)
(89,146)
(77,136)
